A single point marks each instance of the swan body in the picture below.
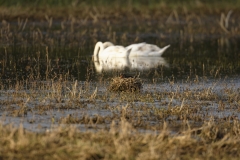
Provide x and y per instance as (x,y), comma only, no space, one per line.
(145,50)
(141,56)
(107,49)
(107,44)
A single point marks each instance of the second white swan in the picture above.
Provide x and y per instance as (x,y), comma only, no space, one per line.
(143,49)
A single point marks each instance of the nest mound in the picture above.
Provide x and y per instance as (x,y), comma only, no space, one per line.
(119,84)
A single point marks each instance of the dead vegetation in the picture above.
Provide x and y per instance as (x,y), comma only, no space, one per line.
(119,84)
(53,106)
(122,142)
(88,121)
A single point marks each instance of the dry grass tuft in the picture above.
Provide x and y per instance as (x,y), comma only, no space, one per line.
(119,84)
(122,141)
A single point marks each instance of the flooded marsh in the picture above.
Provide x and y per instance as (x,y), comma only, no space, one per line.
(55,100)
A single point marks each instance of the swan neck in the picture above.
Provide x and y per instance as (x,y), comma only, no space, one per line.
(98,49)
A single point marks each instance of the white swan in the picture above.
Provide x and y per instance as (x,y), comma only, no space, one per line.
(98,46)
(143,49)
(107,49)
(107,44)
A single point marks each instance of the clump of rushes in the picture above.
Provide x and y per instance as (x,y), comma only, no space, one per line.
(121,84)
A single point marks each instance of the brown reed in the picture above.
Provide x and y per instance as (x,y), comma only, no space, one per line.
(119,84)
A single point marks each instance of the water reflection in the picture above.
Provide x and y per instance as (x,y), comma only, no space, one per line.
(146,63)
(110,63)
(131,63)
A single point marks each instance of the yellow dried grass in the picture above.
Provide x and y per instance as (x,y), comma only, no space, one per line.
(119,84)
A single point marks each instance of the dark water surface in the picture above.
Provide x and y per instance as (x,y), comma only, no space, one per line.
(205,58)
(44,50)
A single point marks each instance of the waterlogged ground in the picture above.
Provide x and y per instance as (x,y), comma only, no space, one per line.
(90,106)
(48,77)
(55,101)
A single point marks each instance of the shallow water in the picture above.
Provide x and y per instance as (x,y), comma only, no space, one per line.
(38,56)
(37,120)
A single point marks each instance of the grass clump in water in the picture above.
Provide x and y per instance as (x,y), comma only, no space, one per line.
(119,84)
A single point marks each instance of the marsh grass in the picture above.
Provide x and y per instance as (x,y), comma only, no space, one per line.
(120,84)
(170,120)
(121,142)
(48,79)
(61,42)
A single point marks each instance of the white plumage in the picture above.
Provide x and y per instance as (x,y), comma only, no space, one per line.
(144,49)
(107,49)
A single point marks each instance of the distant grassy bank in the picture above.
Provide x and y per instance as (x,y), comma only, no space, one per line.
(132,3)
(61,8)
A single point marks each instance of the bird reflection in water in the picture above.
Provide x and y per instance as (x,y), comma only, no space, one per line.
(132,63)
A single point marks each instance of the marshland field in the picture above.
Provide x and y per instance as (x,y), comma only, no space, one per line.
(55,101)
